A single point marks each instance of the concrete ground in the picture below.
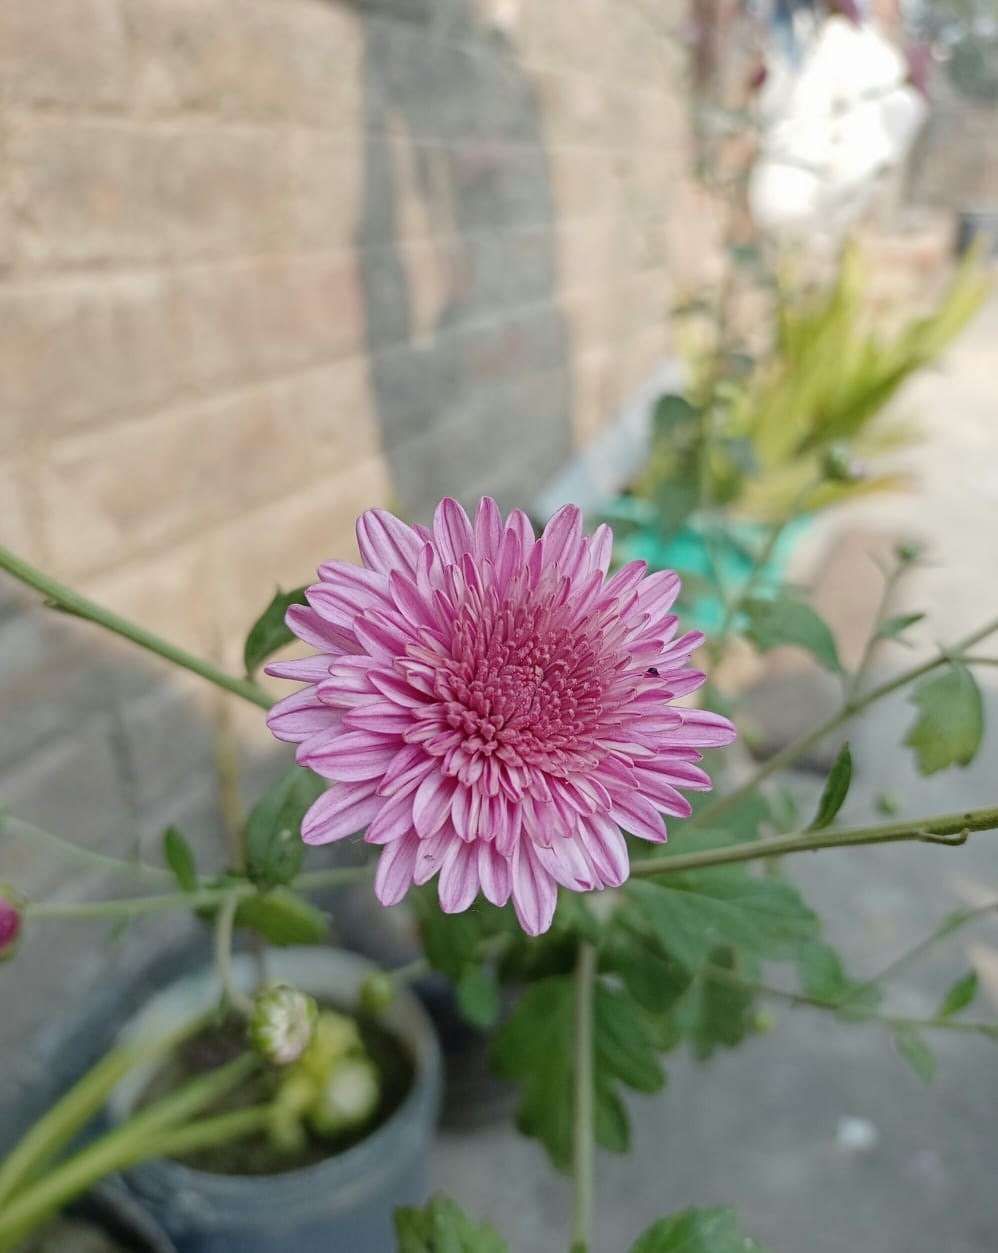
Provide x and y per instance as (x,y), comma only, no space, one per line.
(817,1132)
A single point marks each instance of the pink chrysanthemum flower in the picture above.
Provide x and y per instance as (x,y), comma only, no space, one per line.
(493,708)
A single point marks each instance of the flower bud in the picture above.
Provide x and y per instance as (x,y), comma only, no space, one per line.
(282,1023)
(348,1097)
(377,992)
(10,922)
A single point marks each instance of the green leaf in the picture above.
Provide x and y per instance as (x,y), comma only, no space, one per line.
(655,980)
(893,628)
(478,996)
(452,943)
(269,633)
(274,848)
(782,620)
(440,1227)
(823,977)
(960,995)
(950,722)
(283,917)
(179,856)
(692,914)
(912,1047)
(697,1231)
(535,1048)
(835,791)
(717,1012)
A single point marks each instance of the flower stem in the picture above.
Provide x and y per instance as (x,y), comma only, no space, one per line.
(65,598)
(797,749)
(133,907)
(948,829)
(31,834)
(335,878)
(224,924)
(583,1143)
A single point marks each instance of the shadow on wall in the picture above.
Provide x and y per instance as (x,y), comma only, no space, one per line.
(469,352)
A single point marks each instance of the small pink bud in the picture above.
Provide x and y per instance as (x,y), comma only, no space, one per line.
(10,923)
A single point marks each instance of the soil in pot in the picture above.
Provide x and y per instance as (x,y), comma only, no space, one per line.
(74,1235)
(222,1041)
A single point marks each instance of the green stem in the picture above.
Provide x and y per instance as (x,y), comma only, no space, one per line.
(798,999)
(795,750)
(313,879)
(948,829)
(72,602)
(31,834)
(137,905)
(117,1151)
(856,680)
(978,661)
(224,925)
(942,932)
(583,1141)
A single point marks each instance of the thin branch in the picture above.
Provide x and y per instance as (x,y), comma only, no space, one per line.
(583,1142)
(133,907)
(65,598)
(31,834)
(946,829)
(233,996)
(795,750)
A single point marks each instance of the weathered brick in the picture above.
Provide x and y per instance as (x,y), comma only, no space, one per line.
(87,192)
(86,350)
(63,52)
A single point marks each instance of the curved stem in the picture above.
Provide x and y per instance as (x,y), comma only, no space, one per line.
(797,749)
(72,602)
(583,1143)
(947,829)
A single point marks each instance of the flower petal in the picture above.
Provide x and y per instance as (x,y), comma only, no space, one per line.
(301,715)
(393,878)
(534,891)
(386,543)
(343,810)
(458,885)
(432,803)
(637,814)
(493,873)
(607,849)
(452,533)
(351,756)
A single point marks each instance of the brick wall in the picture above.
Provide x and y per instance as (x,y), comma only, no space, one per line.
(264,263)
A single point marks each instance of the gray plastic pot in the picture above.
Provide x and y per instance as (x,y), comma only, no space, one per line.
(342,1205)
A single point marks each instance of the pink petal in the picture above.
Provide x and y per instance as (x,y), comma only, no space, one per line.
(458,885)
(663,795)
(394,820)
(563,539)
(657,593)
(343,810)
(396,864)
(432,803)
(519,524)
(567,864)
(637,814)
(703,729)
(601,549)
(304,669)
(410,602)
(386,543)
(603,841)
(303,621)
(300,715)
(379,715)
(452,532)
(431,854)
(493,873)
(488,528)
(351,756)
(534,891)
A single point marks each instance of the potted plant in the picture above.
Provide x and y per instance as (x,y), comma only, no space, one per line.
(504,719)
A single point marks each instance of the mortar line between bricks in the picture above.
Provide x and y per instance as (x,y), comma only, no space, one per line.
(42,115)
(97,274)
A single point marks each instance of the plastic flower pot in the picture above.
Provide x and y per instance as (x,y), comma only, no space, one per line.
(344,1202)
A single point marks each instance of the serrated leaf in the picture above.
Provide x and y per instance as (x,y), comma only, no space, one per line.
(283,917)
(655,980)
(783,620)
(477,995)
(717,1012)
(535,1049)
(959,996)
(950,723)
(269,632)
(179,856)
(441,1227)
(692,914)
(893,628)
(912,1047)
(274,848)
(697,1231)
(824,978)
(835,791)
